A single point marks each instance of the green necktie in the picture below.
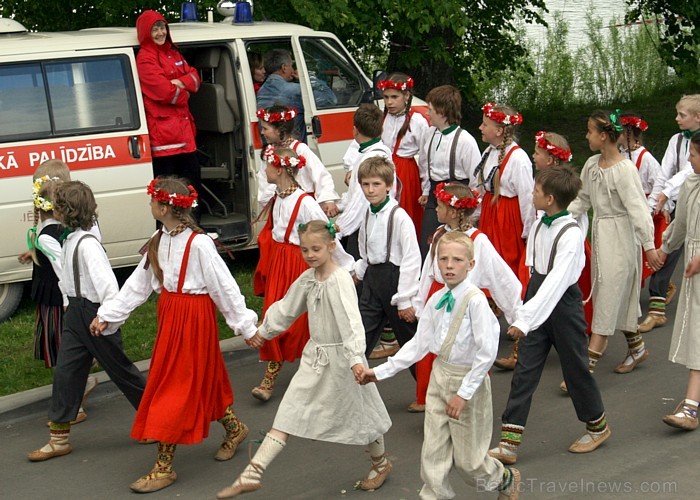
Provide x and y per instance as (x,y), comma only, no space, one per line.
(446,299)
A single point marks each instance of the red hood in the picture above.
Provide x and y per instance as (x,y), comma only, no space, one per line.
(143,29)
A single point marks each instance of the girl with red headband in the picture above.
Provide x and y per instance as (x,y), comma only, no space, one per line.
(290,206)
(504,175)
(188,386)
(402,132)
(456,203)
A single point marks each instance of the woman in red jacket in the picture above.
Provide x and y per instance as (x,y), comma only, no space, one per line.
(166,83)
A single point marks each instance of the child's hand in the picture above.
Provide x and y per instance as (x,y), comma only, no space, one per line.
(667,216)
(256,341)
(660,203)
(329,208)
(693,267)
(355,279)
(347,178)
(367,376)
(97,327)
(455,406)
(655,259)
(514,332)
(358,371)
(408,315)
(422,201)
(25,258)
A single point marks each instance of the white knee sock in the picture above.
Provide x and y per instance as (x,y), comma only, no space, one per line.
(376,452)
(269,449)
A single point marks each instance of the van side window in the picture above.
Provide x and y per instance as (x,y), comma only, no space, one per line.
(327,62)
(67,97)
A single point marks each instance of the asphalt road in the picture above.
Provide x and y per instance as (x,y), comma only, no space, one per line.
(643,459)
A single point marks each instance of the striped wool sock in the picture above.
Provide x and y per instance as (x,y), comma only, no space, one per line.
(60,432)
(507,479)
(635,343)
(164,462)
(597,426)
(231,424)
(657,305)
(593,358)
(511,437)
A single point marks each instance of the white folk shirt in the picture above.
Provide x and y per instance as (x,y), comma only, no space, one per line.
(314,178)
(566,271)
(670,180)
(350,156)
(648,169)
(97,281)
(308,210)
(206,274)
(517,181)
(490,272)
(404,251)
(467,157)
(412,139)
(353,204)
(476,344)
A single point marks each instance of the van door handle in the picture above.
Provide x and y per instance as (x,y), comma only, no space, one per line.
(134,147)
(316,126)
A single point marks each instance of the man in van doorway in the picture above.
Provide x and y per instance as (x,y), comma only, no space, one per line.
(282,87)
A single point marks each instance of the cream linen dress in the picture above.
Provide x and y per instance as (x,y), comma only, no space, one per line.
(685,343)
(621,223)
(323,401)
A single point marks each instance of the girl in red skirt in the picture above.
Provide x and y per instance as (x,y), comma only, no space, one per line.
(456,204)
(277,126)
(188,385)
(291,206)
(403,132)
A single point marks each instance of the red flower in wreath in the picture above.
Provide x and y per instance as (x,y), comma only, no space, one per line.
(283,161)
(173,199)
(283,116)
(391,84)
(500,117)
(635,122)
(542,142)
(452,200)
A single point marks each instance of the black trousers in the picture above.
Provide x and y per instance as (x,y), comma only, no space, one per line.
(379,285)
(565,330)
(78,348)
(430,221)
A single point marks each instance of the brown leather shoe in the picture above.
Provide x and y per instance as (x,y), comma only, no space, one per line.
(670,292)
(228,448)
(502,456)
(687,421)
(623,368)
(377,481)
(40,456)
(384,350)
(415,408)
(651,322)
(512,492)
(148,485)
(262,394)
(589,445)
(506,363)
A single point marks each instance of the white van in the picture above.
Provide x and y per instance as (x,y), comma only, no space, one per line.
(75,96)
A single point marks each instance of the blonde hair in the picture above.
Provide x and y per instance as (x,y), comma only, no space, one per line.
(558,141)
(318,227)
(291,171)
(48,192)
(377,166)
(171,185)
(461,191)
(691,102)
(508,138)
(52,168)
(458,237)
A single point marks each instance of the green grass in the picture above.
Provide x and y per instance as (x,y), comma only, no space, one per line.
(19,370)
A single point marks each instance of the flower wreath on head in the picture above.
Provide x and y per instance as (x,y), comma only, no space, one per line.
(561,153)
(173,199)
(499,116)
(39,201)
(391,84)
(635,122)
(284,161)
(453,201)
(283,116)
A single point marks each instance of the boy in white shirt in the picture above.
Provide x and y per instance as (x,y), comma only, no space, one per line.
(458,325)
(552,315)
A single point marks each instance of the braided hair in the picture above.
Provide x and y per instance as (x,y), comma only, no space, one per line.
(508,137)
(603,123)
(171,185)
(402,78)
(632,133)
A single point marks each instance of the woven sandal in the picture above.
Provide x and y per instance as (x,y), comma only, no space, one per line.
(512,492)
(239,487)
(377,481)
(502,456)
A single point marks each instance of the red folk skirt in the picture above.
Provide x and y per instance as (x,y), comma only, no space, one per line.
(425,365)
(263,267)
(584,283)
(407,172)
(502,224)
(286,265)
(188,385)
(660,226)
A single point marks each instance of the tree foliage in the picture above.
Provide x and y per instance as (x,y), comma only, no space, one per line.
(679,25)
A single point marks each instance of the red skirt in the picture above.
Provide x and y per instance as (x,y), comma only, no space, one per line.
(503,226)
(584,283)
(425,365)
(286,265)
(660,226)
(407,172)
(263,267)
(188,385)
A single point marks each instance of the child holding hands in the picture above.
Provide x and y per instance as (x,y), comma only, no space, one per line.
(685,343)
(457,324)
(322,401)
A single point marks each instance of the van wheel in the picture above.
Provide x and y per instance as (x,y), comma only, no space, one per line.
(10,297)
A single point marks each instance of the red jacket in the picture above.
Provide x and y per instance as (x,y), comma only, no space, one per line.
(170,124)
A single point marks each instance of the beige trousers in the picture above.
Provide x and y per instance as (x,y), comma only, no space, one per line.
(461,443)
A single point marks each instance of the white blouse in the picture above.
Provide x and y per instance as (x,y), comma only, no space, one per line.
(412,139)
